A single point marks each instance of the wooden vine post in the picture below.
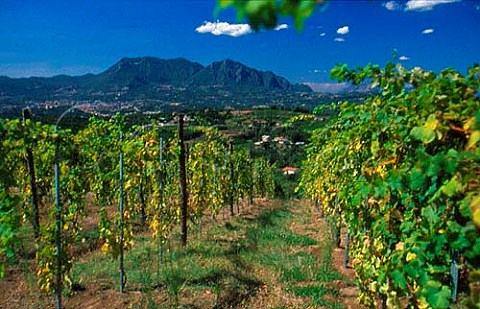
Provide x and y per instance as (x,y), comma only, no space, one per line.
(232,180)
(161,183)
(58,221)
(33,182)
(121,210)
(141,188)
(183,181)
(346,257)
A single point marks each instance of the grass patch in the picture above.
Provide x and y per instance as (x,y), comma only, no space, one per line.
(316,293)
(226,267)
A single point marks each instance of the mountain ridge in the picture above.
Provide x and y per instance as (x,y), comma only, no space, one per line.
(150,84)
(147,72)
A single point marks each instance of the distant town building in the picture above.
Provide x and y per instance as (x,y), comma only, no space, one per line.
(266,138)
(240,112)
(281,140)
(290,170)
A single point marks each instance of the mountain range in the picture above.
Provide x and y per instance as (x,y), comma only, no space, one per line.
(147,78)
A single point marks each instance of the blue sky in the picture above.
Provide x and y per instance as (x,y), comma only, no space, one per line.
(49,37)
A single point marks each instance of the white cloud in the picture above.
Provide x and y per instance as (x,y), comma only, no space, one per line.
(428,31)
(281,27)
(323,34)
(339,40)
(404,58)
(392,6)
(224,28)
(425,5)
(343,30)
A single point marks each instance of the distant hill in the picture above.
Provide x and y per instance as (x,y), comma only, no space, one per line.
(236,76)
(138,72)
(146,78)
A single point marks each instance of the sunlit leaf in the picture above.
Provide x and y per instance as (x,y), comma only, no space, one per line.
(423,134)
(475,208)
(438,295)
(474,139)
(452,188)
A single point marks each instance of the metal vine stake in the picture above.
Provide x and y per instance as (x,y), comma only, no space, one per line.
(121,202)
(58,212)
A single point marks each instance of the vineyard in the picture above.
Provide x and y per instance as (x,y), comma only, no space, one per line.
(138,181)
(396,175)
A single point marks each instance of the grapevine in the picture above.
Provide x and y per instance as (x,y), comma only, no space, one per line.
(88,164)
(402,172)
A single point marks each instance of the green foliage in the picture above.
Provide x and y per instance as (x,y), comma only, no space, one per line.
(9,223)
(264,185)
(401,170)
(9,216)
(265,13)
(89,163)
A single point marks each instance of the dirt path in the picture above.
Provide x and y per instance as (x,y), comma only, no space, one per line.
(316,228)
